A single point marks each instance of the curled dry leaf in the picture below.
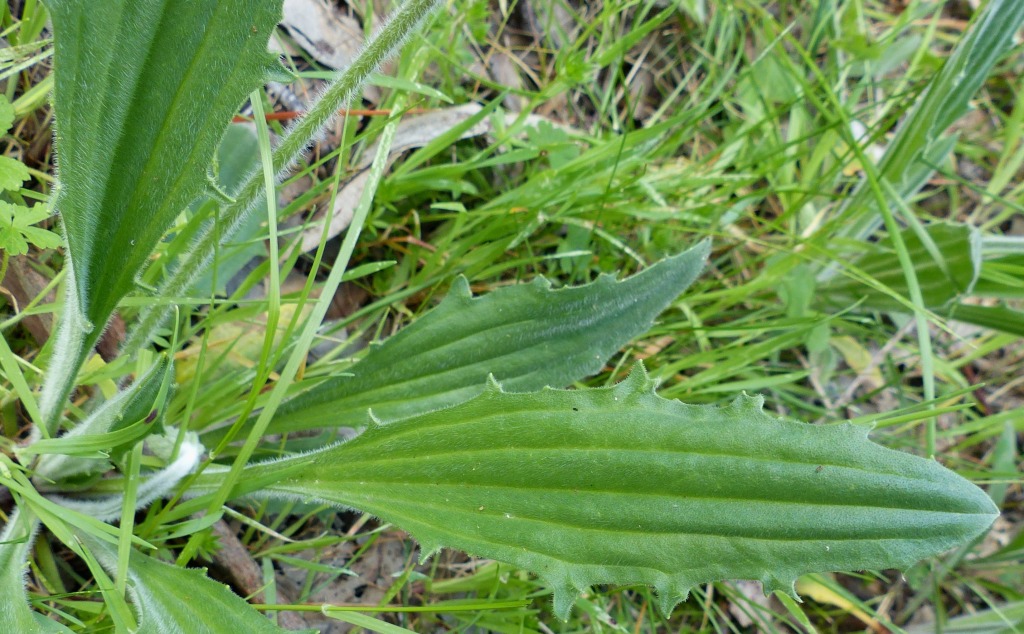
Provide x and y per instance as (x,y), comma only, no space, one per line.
(330,37)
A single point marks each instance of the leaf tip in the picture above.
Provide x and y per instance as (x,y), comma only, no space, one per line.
(427,550)
(275,70)
(492,386)
(460,289)
(671,594)
(638,381)
(747,404)
(692,260)
(772,584)
(703,247)
(565,595)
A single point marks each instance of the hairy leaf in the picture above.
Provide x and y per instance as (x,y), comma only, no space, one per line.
(75,453)
(619,485)
(172,600)
(528,336)
(15,544)
(143,92)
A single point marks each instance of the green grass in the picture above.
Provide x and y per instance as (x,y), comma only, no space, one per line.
(666,127)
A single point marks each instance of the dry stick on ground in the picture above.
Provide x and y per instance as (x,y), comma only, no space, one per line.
(244,574)
(288,115)
(25,285)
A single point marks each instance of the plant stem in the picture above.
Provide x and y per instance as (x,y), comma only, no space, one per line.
(72,343)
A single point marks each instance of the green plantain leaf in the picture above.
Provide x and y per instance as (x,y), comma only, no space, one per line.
(173,600)
(946,269)
(144,90)
(1002,276)
(15,544)
(994,317)
(528,336)
(619,485)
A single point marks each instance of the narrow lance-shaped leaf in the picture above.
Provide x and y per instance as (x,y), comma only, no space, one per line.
(172,600)
(949,270)
(317,119)
(528,336)
(15,544)
(143,93)
(619,485)
(946,269)
(995,317)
